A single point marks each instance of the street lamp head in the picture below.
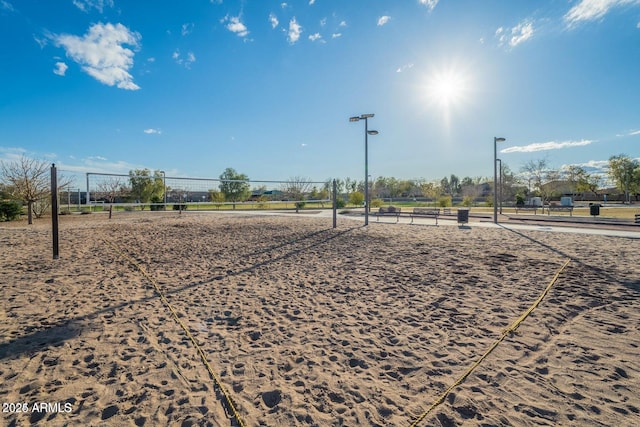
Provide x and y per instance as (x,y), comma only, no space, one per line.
(354,119)
(500,139)
(366,116)
(372,132)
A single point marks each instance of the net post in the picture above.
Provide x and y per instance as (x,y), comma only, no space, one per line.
(54,210)
(335,204)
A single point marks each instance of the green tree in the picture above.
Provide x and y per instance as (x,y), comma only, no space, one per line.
(580,180)
(146,187)
(234,186)
(625,172)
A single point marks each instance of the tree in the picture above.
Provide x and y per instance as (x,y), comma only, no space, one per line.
(145,187)
(109,189)
(539,173)
(296,189)
(29,180)
(580,180)
(625,172)
(454,184)
(234,186)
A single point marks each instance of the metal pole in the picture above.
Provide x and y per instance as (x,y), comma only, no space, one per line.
(335,204)
(164,184)
(495,180)
(500,186)
(54,210)
(87,201)
(366,171)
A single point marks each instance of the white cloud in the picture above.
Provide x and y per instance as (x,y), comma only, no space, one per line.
(405,67)
(61,68)
(152,131)
(431,4)
(545,146)
(312,1)
(517,35)
(177,56)
(323,22)
(521,33)
(336,35)
(591,10)
(294,31)
(101,53)
(383,20)
(187,28)
(635,132)
(342,24)
(5,5)
(87,5)
(236,26)
(273,19)
(315,36)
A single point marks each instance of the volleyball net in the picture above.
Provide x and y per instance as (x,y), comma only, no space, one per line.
(156,191)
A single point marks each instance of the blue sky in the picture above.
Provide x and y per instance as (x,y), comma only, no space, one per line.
(267,87)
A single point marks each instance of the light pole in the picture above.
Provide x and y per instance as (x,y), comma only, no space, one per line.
(495,177)
(500,186)
(367,132)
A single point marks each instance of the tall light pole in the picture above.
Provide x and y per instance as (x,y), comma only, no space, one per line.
(500,186)
(495,177)
(367,132)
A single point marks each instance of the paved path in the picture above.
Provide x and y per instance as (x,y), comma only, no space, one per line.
(547,225)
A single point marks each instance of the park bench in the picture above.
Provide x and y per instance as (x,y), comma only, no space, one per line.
(637,219)
(425,212)
(533,208)
(446,211)
(388,211)
(559,208)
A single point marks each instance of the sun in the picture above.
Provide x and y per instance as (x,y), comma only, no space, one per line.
(447,88)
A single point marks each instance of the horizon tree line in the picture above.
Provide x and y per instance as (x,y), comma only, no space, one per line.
(25,181)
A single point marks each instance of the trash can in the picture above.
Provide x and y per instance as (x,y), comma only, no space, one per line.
(463,216)
(594,209)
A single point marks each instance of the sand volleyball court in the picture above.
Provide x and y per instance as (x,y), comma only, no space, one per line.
(305,325)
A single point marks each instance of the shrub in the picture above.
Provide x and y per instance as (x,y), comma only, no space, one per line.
(444,201)
(376,203)
(10,211)
(356,198)
(340,203)
(156,207)
(467,201)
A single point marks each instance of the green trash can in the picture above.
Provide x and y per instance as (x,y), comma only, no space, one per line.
(463,216)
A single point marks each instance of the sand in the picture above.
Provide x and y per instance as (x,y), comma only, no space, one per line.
(305,325)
